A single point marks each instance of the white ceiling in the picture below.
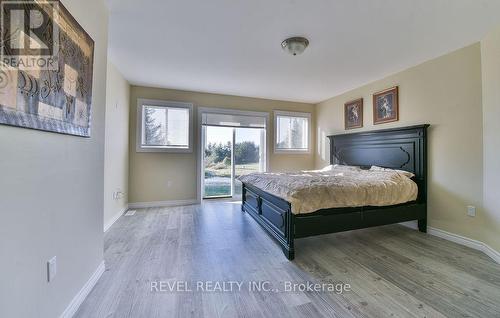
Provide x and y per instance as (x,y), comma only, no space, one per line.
(233,46)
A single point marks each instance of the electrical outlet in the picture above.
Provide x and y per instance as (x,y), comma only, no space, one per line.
(51,269)
(117,195)
(169,184)
(471,210)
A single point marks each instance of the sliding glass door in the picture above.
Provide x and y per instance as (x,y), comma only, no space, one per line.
(233,145)
(248,154)
(218,153)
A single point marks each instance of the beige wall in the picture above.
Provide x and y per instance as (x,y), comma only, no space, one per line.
(490,53)
(150,173)
(446,93)
(116,145)
(51,189)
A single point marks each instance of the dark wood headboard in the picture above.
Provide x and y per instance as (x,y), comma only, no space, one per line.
(402,148)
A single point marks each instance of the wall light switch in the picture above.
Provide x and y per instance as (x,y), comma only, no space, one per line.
(471,210)
(51,269)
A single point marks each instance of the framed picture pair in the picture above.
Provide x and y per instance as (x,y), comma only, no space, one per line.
(385,109)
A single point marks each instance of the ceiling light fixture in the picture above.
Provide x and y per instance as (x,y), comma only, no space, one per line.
(295,45)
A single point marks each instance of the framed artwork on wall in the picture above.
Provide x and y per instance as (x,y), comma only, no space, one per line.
(46,73)
(353,114)
(386,106)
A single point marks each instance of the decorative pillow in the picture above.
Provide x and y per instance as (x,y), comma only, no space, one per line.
(341,168)
(405,173)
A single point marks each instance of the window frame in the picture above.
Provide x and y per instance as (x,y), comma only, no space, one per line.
(305,115)
(141,102)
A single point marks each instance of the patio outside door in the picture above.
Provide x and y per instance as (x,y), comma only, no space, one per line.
(231,147)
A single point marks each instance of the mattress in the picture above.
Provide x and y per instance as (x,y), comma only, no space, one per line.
(337,186)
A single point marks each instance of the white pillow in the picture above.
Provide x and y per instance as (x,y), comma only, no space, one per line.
(341,168)
(405,173)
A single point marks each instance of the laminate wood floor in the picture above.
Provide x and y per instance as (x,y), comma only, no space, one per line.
(393,271)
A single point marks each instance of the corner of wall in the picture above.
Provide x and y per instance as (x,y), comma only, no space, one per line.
(116,162)
(490,65)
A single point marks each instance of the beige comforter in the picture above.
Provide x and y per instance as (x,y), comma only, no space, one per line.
(337,186)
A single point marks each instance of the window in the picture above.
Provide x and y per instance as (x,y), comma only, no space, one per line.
(164,126)
(292,132)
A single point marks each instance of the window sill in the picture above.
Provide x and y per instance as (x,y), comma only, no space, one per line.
(164,150)
(292,152)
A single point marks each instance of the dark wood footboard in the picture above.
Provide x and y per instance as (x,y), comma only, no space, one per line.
(399,148)
(275,216)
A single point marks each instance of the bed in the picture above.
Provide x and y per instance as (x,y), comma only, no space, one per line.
(403,149)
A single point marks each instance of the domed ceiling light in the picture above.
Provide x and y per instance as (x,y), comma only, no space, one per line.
(295,45)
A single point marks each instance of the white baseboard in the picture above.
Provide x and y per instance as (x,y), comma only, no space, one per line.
(157,204)
(83,293)
(462,240)
(108,224)
(494,254)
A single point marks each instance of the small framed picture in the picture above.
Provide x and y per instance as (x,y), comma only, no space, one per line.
(353,113)
(386,106)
